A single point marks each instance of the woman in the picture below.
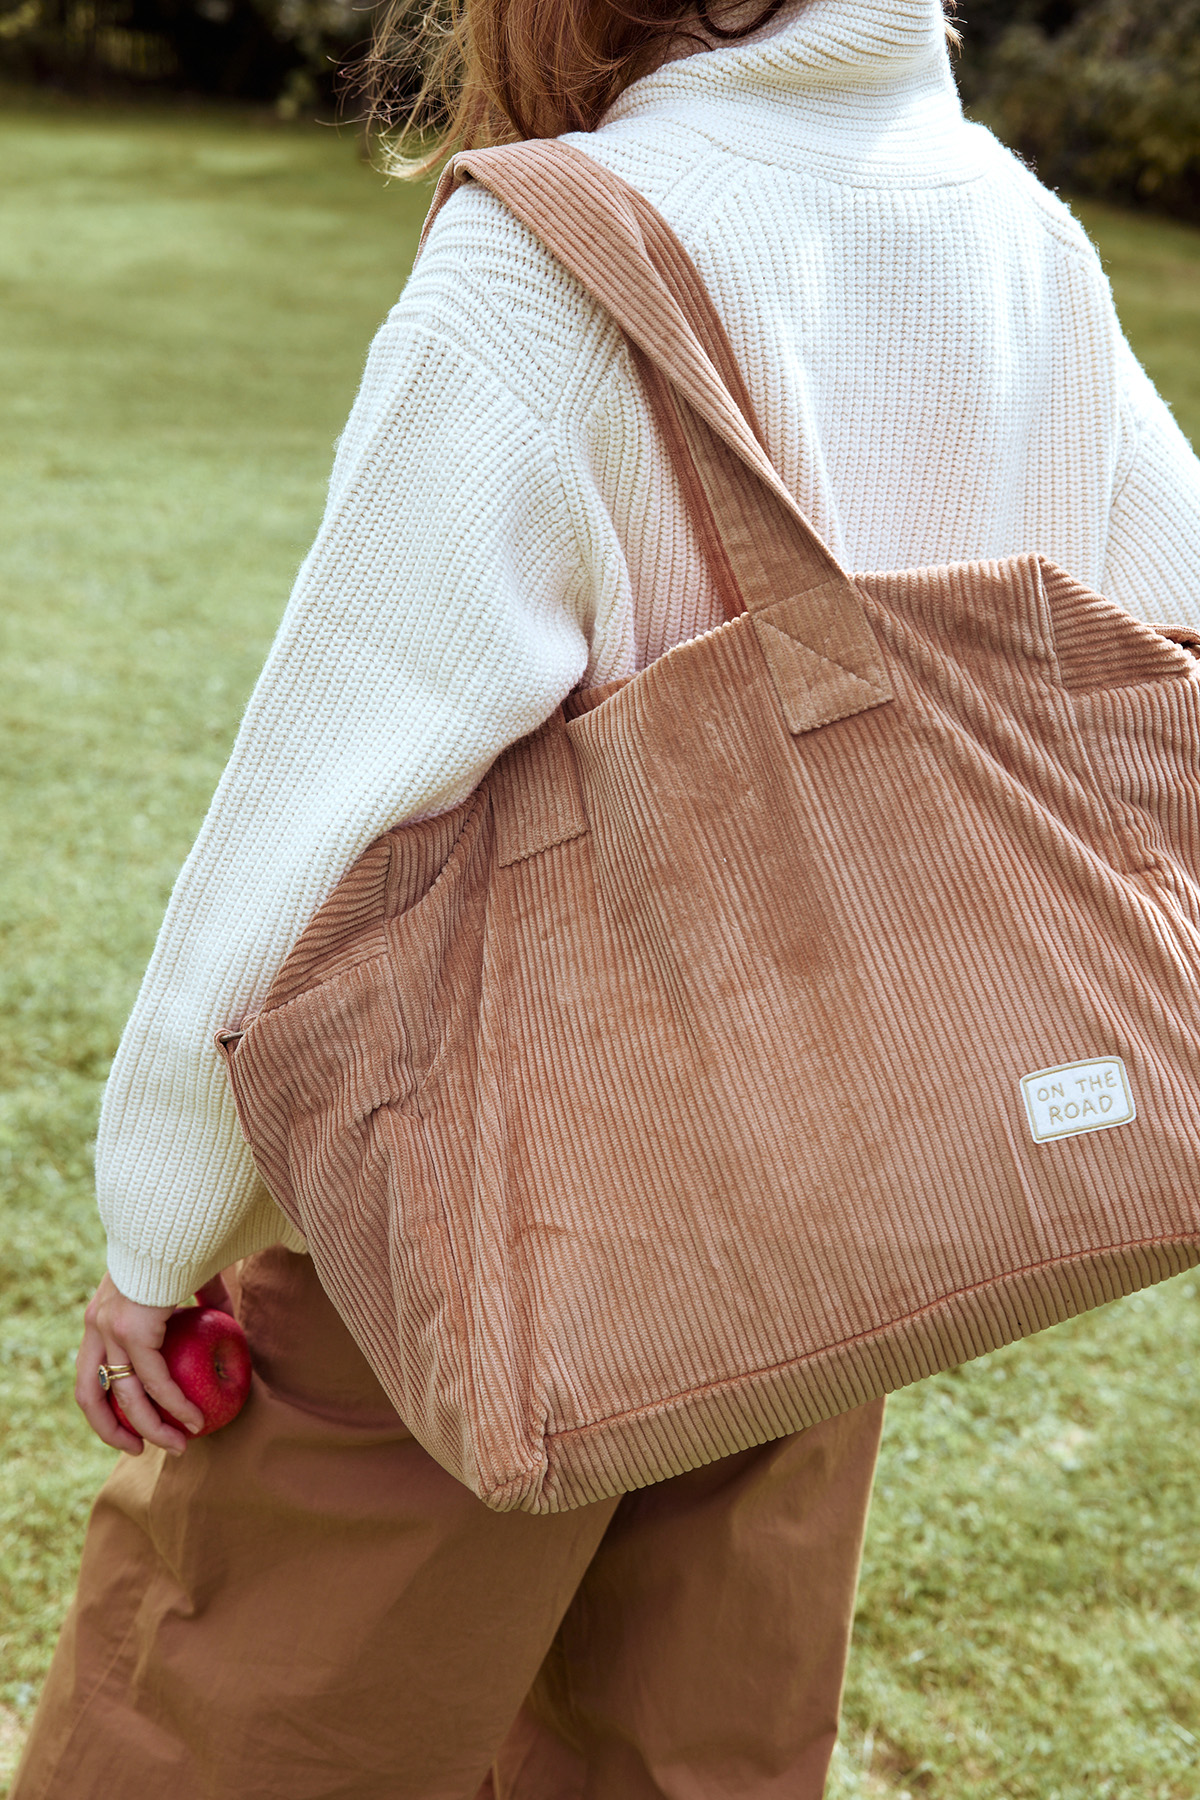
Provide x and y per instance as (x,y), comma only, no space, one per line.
(305,1604)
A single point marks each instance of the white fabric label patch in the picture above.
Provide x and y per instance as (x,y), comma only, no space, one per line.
(1075,1097)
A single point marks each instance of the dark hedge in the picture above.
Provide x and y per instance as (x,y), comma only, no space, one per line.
(285,51)
(1100,96)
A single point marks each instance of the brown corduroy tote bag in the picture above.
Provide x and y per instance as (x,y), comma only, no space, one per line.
(812,1012)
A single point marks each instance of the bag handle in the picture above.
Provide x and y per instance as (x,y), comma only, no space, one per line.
(765,556)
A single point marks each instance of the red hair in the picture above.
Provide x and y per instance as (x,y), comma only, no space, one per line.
(497,71)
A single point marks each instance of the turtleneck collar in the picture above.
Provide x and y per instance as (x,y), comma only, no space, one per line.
(835,86)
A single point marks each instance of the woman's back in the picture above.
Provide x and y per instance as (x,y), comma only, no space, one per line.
(926,332)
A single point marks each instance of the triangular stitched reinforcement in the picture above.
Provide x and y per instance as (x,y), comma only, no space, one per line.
(536,797)
(812,689)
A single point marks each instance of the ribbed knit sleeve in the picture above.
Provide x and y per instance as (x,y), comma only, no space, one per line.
(1152,561)
(440,615)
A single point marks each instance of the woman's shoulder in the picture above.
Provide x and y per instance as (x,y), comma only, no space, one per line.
(1006,174)
(714,184)
(488,287)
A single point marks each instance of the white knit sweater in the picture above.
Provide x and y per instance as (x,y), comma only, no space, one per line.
(931,345)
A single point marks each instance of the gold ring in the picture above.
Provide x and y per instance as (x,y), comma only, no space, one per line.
(118,1372)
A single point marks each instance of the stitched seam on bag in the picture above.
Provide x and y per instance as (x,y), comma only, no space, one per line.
(878,694)
(1130,855)
(469,1320)
(1138,855)
(938,726)
(385,925)
(477,801)
(451,1272)
(373,949)
(377,953)
(1127,851)
(411,1100)
(867,1337)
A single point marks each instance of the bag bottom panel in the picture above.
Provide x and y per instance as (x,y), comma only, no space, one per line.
(617,1455)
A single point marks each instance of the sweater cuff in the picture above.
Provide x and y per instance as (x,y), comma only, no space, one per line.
(153,1281)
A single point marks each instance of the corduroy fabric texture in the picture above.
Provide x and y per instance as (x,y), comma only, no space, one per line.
(665,1097)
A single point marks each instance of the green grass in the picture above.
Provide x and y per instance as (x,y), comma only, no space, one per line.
(1154,267)
(1029,1623)
(187,300)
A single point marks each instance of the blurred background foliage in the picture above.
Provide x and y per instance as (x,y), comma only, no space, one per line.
(1101,96)
(283,51)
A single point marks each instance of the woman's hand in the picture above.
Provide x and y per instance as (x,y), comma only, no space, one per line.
(117,1331)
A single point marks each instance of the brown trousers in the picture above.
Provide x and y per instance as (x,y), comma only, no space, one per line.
(306,1607)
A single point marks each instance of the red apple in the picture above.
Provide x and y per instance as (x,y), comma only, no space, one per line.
(206,1351)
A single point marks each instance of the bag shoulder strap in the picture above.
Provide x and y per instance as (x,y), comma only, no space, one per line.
(765,556)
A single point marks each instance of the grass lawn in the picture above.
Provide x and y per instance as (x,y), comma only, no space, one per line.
(187,300)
